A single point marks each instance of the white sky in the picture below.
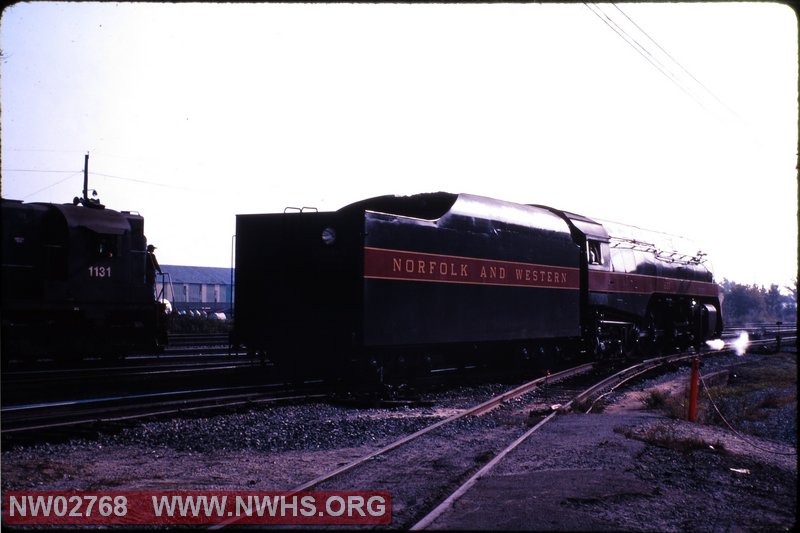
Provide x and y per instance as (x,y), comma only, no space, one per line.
(193,113)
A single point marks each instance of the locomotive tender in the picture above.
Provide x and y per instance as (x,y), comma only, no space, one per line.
(73,282)
(408,284)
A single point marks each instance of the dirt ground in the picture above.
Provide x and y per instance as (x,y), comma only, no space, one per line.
(632,469)
(629,467)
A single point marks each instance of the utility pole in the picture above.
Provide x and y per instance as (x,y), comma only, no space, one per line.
(86,179)
(693,389)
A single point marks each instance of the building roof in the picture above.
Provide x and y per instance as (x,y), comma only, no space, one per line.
(197,274)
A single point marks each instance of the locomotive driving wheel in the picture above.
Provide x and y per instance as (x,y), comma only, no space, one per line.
(650,334)
(632,346)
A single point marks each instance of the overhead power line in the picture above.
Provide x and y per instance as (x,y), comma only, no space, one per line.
(73,174)
(635,36)
(701,84)
(643,51)
(141,181)
(35,170)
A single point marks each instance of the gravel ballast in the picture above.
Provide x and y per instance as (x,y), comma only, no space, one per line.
(628,467)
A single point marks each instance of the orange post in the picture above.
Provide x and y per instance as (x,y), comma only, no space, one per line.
(693,389)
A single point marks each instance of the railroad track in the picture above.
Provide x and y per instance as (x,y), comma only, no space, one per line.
(30,419)
(41,400)
(199,343)
(546,384)
(579,402)
(56,394)
(769,326)
(477,410)
(194,339)
(760,330)
(468,448)
(521,412)
(135,376)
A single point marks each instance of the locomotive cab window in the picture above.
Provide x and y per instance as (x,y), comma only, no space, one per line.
(594,255)
(106,246)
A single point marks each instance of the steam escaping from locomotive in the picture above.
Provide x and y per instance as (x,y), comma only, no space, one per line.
(740,344)
(716,344)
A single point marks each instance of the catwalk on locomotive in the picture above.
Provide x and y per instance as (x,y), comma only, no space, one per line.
(74,284)
(400,286)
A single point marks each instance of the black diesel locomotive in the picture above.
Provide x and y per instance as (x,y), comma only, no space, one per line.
(407,284)
(73,282)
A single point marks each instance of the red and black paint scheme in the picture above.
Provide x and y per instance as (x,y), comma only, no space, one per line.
(407,284)
(73,283)
(643,291)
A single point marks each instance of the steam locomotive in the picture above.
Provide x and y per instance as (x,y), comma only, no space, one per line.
(406,285)
(73,282)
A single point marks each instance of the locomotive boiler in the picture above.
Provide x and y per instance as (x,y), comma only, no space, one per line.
(406,285)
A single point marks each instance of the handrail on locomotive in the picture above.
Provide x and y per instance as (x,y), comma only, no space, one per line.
(161,290)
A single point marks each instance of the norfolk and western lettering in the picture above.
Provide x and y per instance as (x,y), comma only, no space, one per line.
(380,263)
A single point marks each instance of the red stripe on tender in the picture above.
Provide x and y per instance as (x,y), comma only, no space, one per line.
(638,283)
(405,265)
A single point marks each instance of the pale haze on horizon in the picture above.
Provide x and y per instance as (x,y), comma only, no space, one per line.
(680,118)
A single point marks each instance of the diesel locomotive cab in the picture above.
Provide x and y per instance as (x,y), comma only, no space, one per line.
(73,282)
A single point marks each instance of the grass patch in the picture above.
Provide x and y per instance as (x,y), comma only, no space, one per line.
(666,437)
(751,393)
(754,392)
(673,405)
(745,379)
(776,401)
(657,399)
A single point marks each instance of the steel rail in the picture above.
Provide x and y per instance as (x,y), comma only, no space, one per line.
(53,385)
(613,381)
(439,509)
(188,339)
(461,490)
(479,409)
(38,417)
(69,374)
(206,404)
(627,374)
(486,406)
